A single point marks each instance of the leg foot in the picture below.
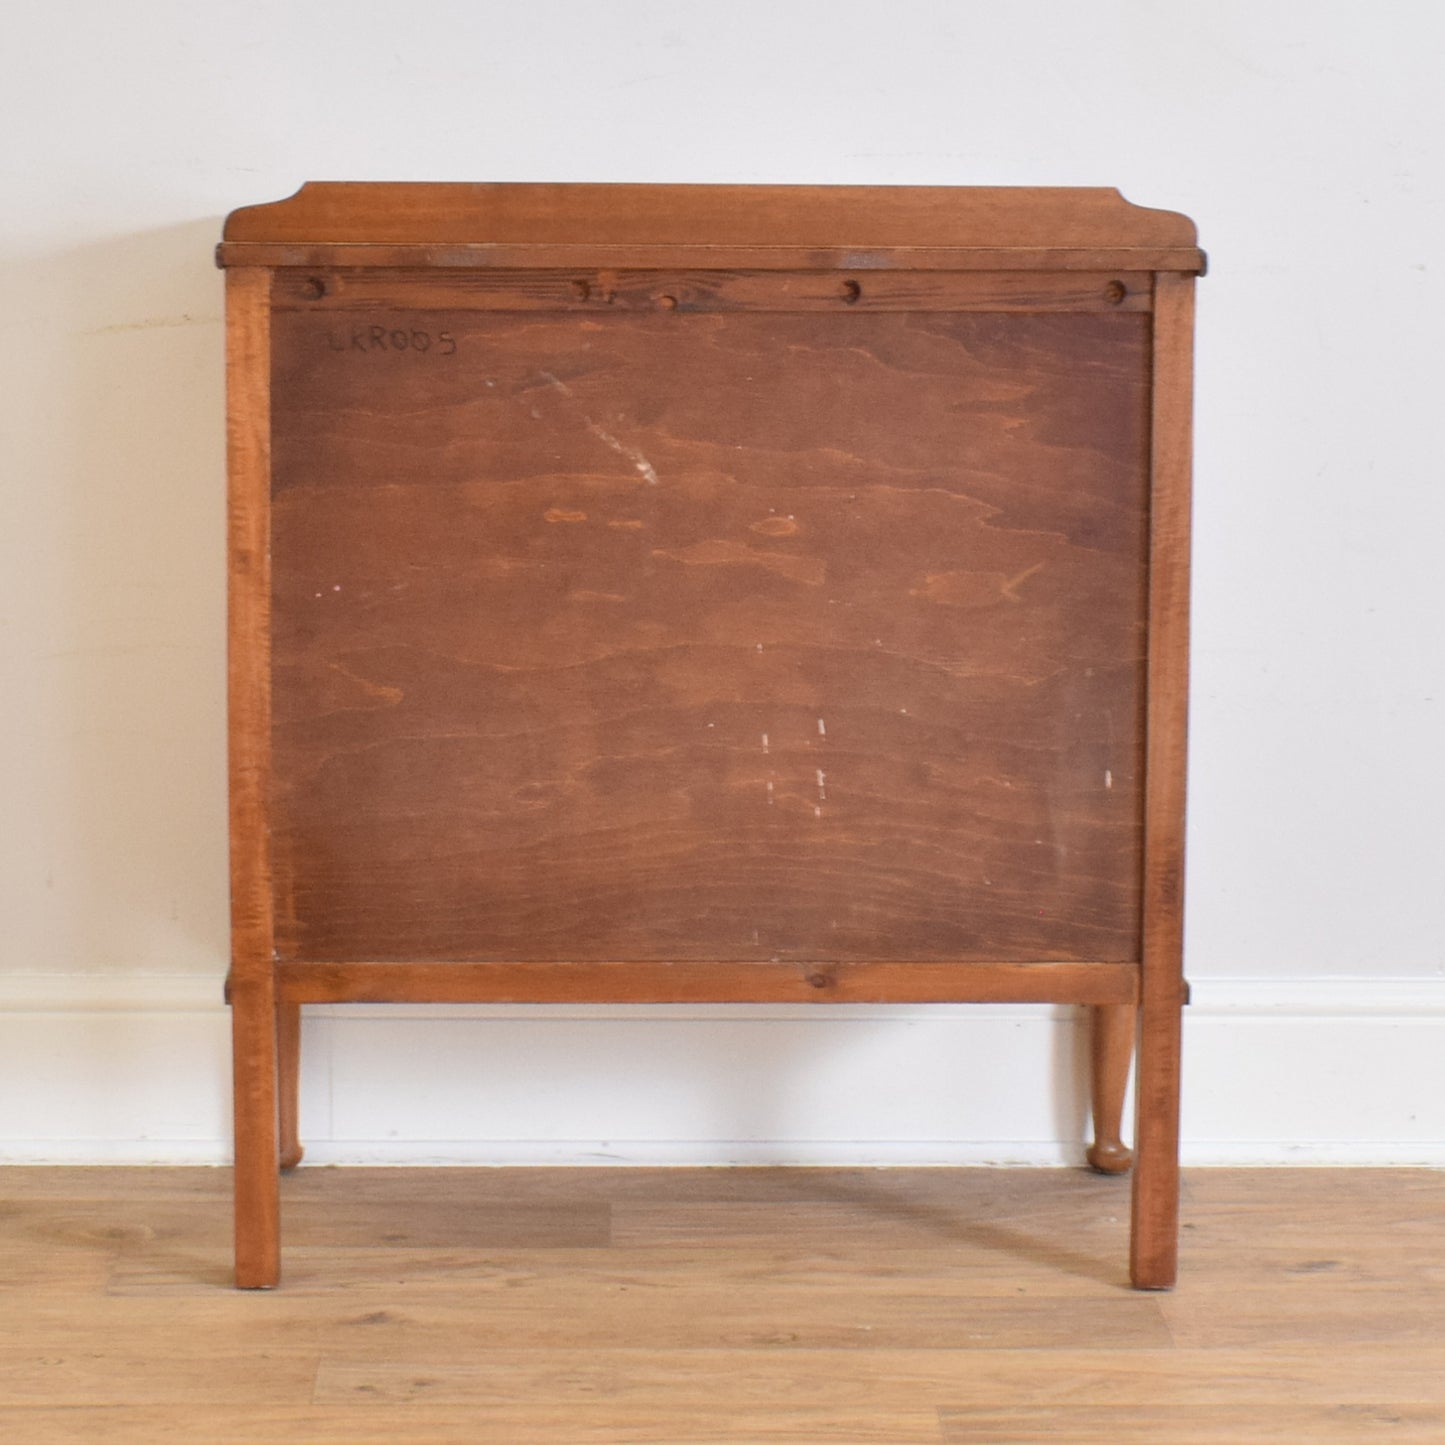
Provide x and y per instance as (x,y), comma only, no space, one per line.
(257,1178)
(288,1061)
(1154,1237)
(1111,1053)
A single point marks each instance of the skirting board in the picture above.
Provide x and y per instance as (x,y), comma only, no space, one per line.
(135,1069)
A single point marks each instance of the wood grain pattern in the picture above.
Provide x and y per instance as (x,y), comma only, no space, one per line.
(251,986)
(812,981)
(460,224)
(619,1306)
(688,637)
(1154,1240)
(458,260)
(248,650)
(583,291)
(707,215)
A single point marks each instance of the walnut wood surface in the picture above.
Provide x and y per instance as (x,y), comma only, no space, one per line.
(888,981)
(1155,1235)
(708,215)
(583,290)
(914,228)
(251,986)
(744,636)
(248,646)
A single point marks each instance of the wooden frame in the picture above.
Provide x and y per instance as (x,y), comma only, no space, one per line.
(1056,323)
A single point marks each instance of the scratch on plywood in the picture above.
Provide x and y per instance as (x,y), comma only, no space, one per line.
(721,552)
(639,462)
(382,691)
(973,589)
(1010,588)
(775,527)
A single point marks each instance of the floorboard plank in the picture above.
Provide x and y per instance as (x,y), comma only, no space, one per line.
(683,1306)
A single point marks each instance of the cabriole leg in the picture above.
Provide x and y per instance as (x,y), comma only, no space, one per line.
(1111,1052)
(288,1060)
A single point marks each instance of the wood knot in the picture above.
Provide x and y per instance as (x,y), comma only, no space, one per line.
(850,291)
(819,979)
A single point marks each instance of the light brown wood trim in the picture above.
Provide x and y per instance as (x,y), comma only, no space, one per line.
(651,256)
(1171,449)
(306,982)
(1156,1185)
(248,444)
(252,985)
(350,295)
(629,215)
(255,1106)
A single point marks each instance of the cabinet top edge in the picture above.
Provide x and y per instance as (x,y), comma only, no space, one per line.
(619,215)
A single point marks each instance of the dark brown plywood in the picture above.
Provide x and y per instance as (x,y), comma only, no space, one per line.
(733,636)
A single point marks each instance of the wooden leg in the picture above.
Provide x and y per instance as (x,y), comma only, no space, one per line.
(1111,1053)
(1154,1239)
(257,1177)
(288,1068)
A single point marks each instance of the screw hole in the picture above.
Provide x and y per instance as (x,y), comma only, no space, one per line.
(581,290)
(1115,292)
(313,288)
(850,291)
(667,303)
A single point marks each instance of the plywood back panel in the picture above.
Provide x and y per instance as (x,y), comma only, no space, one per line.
(707,634)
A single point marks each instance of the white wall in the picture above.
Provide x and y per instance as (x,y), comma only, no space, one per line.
(1305,140)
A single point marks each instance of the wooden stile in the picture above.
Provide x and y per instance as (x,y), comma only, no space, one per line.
(686,593)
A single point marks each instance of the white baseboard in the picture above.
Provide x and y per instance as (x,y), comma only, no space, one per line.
(135,1069)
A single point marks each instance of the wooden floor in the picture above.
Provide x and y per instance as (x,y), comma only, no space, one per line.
(727,1306)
